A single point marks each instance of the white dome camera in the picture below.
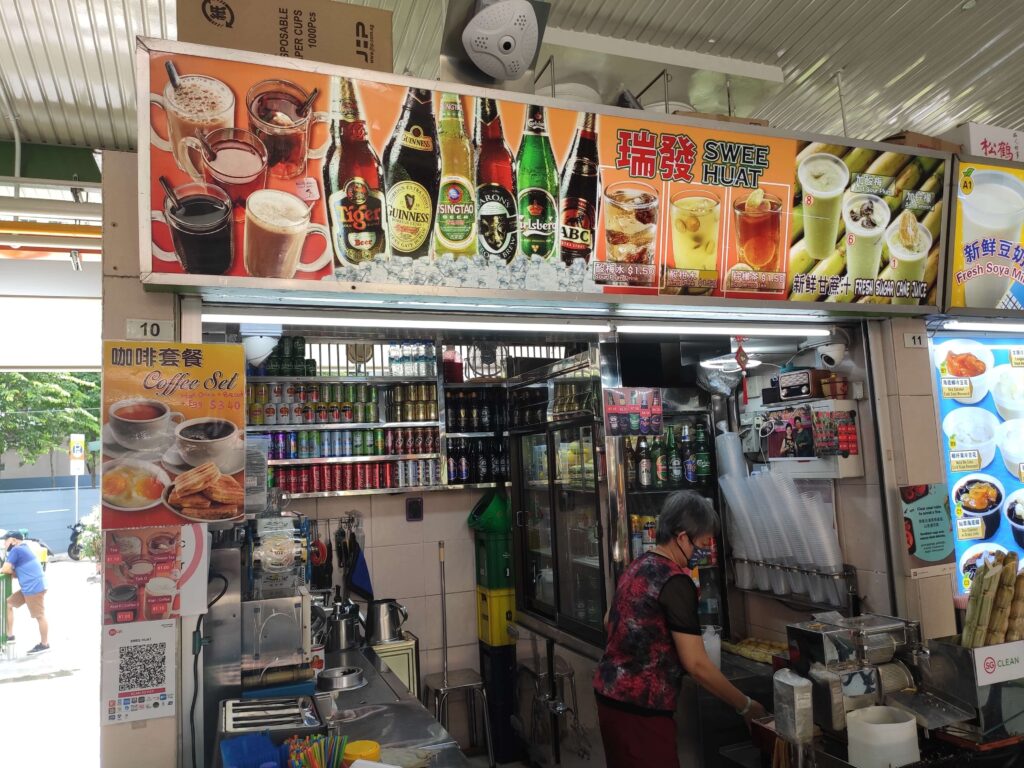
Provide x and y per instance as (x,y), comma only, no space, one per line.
(829,356)
(501,38)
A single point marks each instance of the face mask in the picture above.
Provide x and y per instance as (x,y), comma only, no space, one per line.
(699,554)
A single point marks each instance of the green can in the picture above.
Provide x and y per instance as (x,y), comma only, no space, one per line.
(284,347)
(350,393)
(359,412)
(370,411)
(357,443)
(361,393)
(314,444)
(299,347)
(378,442)
(310,366)
(373,395)
(337,393)
(325,393)
(303,442)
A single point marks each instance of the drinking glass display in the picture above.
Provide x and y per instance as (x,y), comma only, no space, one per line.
(695,215)
(198,106)
(275,115)
(200,229)
(908,242)
(276,227)
(238,164)
(823,178)
(630,223)
(993,209)
(866,217)
(758,226)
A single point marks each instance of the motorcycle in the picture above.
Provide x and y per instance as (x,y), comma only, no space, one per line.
(74,548)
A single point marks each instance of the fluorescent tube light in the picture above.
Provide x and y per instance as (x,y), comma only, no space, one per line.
(698,329)
(412,323)
(981,325)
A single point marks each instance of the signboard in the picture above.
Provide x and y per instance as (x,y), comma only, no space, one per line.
(76,454)
(989,141)
(173,433)
(318,30)
(633,411)
(987,257)
(999,663)
(138,671)
(927,527)
(150,574)
(980,387)
(387,182)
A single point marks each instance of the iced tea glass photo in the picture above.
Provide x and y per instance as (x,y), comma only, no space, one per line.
(276,227)
(196,107)
(631,223)
(758,227)
(234,159)
(200,228)
(695,217)
(276,115)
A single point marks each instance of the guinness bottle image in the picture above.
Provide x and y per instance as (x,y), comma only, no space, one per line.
(353,182)
(497,223)
(579,193)
(455,228)
(412,172)
(538,188)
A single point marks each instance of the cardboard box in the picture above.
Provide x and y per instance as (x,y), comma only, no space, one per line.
(912,139)
(318,30)
(723,118)
(981,140)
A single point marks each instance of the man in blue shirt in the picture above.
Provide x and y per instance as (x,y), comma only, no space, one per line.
(23,564)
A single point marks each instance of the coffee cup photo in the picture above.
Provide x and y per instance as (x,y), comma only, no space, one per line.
(207,439)
(141,424)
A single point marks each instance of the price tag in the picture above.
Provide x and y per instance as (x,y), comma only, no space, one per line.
(969,528)
(307,189)
(956,387)
(1017,357)
(964,461)
(149,330)
(915,340)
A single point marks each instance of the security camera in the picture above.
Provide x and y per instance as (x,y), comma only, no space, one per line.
(501,38)
(829,356)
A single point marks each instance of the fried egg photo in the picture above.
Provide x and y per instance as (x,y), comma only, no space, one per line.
(130,484)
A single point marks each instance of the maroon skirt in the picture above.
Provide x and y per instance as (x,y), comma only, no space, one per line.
(632,740)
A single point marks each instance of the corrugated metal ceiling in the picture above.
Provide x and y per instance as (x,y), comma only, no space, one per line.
(68,65)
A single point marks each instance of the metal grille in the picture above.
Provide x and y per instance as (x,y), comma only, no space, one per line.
(492,361)
(359,358)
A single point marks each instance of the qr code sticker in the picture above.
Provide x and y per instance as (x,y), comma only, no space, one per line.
(142,666)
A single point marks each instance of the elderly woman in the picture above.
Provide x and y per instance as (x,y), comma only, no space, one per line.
(654,637)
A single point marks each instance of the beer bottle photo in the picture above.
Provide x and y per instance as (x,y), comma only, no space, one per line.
(538,188)
(579,190)
(455,226)
(353,182)
(497,223)
(412,174)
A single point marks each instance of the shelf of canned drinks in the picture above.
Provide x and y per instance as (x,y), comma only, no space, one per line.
(379,491)
(346,425)
(339,379)
(352,459)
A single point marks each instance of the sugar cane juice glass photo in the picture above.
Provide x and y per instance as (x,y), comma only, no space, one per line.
(907,263)
(823,178)
(276,228)
(865,217)
(758,230)
(631,224)
(994,208)
(695,215)
(238,163)
(198,106)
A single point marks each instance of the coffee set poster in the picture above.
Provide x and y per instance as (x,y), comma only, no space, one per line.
(151,574)
(280,172)
(987,259)
(173,434)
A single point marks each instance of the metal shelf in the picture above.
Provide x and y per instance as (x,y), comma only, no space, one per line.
(382,491)
(470,435)
(351,459)
(473,385)
(347,425)
(339,379)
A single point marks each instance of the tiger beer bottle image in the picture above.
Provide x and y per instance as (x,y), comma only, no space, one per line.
(497,226)
(353,182)
(538,188)
(455,226)
(412,172)
(579,193)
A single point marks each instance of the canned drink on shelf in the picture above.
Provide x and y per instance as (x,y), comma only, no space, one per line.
(410,439)
(314,445)
(371,476)
(309,413)
(312,393)
(334,412)
(290,395)
(269,414)
(303,477)
(361,394)
(325,393)
(336,442)
(316,478)
(389,442)
(346,443)
(431,410)
(412,470)
(395,412)
(372,392)
(431,392)
(262,393)
(420,411)
(417,440)
(296,414)
(397,394)
(409,393)
(370,411)
(292,446)
(337,477)
(279,445)
(347,477)
(346,415)
(398,441)
(359,412)
(379,442)
(350,393)
(256,414)
(360,477)
(250,393)
(337,392)
(389,475)
(303,445)
(284,413)
(401,475)
(276,391)
(322,413)
(357,442)
(430,440)
(301,393)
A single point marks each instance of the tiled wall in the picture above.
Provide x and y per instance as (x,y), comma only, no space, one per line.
(402,558)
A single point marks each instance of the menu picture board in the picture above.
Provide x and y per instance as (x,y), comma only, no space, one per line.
(173,434)
(286,172)
(987,254)
(980,387)
(927,527)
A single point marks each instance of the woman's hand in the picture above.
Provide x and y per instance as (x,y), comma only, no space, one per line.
(756,711)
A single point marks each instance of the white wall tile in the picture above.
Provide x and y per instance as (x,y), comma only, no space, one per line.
(459,567)
(389,524)
(398,570)
(459,657)
(861,526)
(445,515)
(461,620)
(417,622)
(874,591)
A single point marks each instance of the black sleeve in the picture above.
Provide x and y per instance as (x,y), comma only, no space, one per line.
(678,599)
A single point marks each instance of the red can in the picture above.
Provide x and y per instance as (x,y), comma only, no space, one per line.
(371,476)
(337,477)
(398,440)
(389,475)
(360,477)
(417,440)
(410,439)
(312,393)
(429,441)
(303,476)
(286,479)
(317,483)
(301,393)
(389,442)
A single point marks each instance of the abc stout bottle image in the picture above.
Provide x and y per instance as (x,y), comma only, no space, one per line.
(455,227)
(497,224)
(579,193)
(353,182)
(412,173)
(538,188)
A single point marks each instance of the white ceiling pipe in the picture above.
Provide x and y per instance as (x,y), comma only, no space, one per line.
(36,207)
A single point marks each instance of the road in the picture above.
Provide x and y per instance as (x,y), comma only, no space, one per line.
(46,514)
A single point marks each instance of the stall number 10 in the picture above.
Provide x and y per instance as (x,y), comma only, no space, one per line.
(151,330)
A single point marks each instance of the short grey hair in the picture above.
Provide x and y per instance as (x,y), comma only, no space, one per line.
(686,511)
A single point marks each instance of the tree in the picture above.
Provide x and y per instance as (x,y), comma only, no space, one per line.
(39,410)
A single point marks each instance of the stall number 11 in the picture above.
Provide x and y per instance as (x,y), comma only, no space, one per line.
(915,340)
(150,330)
